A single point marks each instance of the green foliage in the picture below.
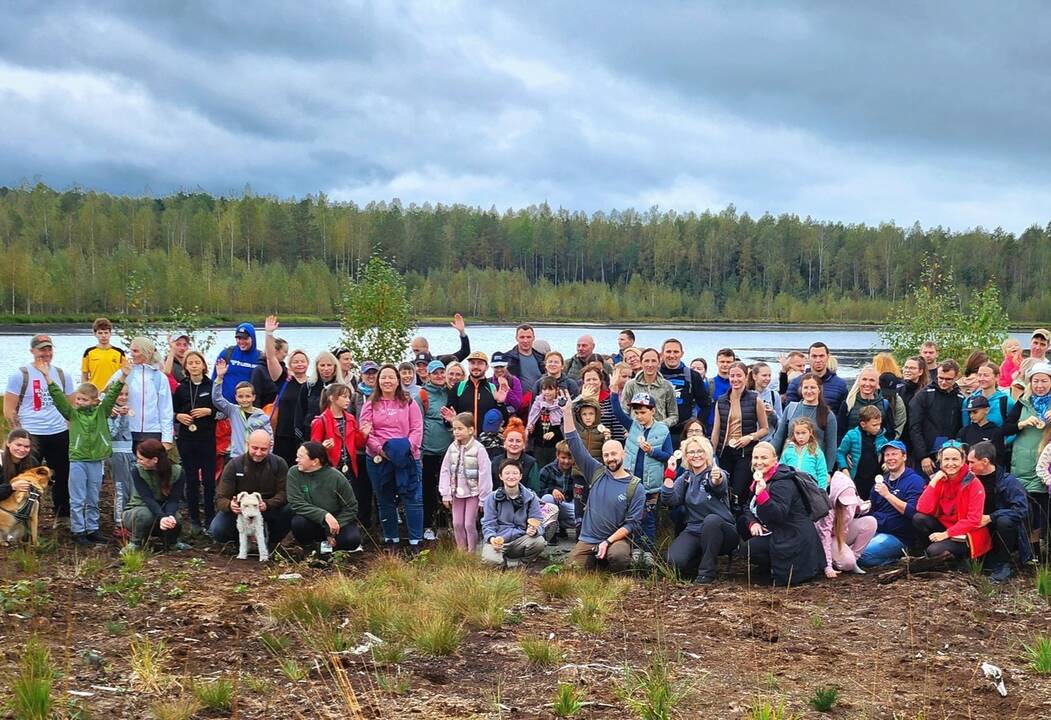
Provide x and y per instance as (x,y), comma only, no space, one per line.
(132,561)
(135,320)
(540,652)
(934,311)
(375,314)
(652,694)
(1043,581)
(214,695)
(25,597)
(437,635)
(25,558)
(766,710)
(292,669)
(395,683)
(568,701)
(1039,654)
(31,688)
(181,708)
(824,698)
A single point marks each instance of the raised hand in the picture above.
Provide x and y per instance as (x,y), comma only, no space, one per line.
(270,324)
(125,366)
(220,368)
(458,323)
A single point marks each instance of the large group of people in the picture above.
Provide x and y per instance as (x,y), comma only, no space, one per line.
(782,465)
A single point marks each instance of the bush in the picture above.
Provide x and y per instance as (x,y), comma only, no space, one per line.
(824,698)
(375,313)
(652,694)
(1039,655)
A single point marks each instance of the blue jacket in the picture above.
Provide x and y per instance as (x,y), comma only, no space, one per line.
(1011,503)
(906,488)
(507,517)
(400,465)
(851,447)
(240,364)
(650,468)
(997,402)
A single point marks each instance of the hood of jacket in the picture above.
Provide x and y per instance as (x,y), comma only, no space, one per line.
(250,329)
(841,489)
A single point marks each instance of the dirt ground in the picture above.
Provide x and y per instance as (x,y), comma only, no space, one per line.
(909,649)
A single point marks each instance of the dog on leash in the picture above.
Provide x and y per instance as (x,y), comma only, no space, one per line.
(20,512)
(249,523)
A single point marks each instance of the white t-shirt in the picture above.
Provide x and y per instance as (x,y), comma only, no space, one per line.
(38,413)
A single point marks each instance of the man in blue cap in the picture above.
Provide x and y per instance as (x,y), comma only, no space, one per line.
(241,359)
(893,498)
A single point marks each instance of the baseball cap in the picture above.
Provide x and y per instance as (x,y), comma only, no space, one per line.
(435,366)
(1041,333)
(499,360)
(479,355)
(492,421)
(896,444)
(422,357)
(369,366)
(976,402)
(644,399)
(39,342)
(182,336)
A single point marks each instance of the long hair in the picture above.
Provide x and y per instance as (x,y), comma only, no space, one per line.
(852,395)
(399,391)
(154,450)
(326,356)
(884,362)
(822,408)
(10,467)
(809,425)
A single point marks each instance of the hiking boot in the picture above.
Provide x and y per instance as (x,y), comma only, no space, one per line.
(429,535)
(81,540)
(704,580)
(1000,573)
(181,546)
(121,533)
(96,537)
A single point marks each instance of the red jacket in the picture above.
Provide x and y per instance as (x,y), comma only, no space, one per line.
(324,427)
(959,502)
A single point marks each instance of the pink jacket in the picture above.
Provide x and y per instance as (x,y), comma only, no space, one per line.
(840,488)
(390,419)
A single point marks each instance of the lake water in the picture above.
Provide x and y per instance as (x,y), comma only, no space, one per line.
(852,347)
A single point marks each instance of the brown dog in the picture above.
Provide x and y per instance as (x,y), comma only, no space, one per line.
(21,510)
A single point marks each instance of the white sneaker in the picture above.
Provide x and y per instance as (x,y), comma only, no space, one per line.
(428,534)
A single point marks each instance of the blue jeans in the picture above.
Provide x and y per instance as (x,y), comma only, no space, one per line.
(388,494)
(85,484)
(120,465)
(883,549)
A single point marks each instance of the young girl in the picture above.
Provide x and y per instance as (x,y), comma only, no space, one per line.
(803,453)
(337,430)
(121,462)
(845,532)
(759,377)
(548,413)
(465,480)
(244,417)
(1012,362)
(195,421)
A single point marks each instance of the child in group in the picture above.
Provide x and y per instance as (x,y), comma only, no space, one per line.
(846,531)
(759,379)
(980,428)
(557,487)
(545,422)
(1012,362)
(592,432)
(102,360)
(490,437)
(244,417)
(89,447)
(120,462)
(860,450)
(337,430)
(465,480)
(802,452)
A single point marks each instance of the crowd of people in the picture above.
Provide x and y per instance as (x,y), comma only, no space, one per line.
(782,465)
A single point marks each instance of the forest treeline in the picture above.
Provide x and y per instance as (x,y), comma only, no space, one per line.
(78,252)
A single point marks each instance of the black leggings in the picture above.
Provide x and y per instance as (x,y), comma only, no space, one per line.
(927,524)
(696,553)
(197,455)
(738,465)
(432,465)
(54,450)
(308,532)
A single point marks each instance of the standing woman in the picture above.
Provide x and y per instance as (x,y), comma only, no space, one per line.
(1000,403)
(811,406)
(865,392)
(326,372)
(286,432)
(195,416)
(1027,420)
(360,482)
(740,422)
(149,395)
(914,378)
(437,437)
(393,425)
(759,379)
(454,375)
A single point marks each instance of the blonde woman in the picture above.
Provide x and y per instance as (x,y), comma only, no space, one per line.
(326,372)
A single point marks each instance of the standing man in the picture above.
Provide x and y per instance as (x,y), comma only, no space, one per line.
(177,349)
(241,359)
(28,405)
(419,344)
(523,362)
(691,392)
(929,353)
(585,349)
(1038,344)
(625,340)
(934,415)
(832,386)
(476,395)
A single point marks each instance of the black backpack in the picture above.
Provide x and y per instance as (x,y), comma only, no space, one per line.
(815,500)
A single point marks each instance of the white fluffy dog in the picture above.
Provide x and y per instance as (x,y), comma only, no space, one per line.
(249,523)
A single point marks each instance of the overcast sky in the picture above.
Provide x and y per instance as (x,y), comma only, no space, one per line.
(937,113)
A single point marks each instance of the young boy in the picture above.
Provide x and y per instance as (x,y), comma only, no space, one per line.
(102,360)
(244,417)
(558,488)
(980,429)
(121,461)
(861,448)
(490,437)
(545,422)
(89,446)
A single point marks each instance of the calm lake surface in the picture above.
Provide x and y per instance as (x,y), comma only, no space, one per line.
(852,347)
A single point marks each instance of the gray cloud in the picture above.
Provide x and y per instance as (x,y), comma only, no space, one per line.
(931,112)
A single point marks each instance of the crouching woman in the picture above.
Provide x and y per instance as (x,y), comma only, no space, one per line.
(949,512)
(701,490)
(156,491)
(511,520)
(323,501)
(782,539)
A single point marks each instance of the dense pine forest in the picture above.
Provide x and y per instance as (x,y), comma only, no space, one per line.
(77,252)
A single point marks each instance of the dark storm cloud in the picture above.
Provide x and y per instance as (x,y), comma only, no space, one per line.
(929,112)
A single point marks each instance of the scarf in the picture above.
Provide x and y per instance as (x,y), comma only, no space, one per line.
(1040,404)
(364,389)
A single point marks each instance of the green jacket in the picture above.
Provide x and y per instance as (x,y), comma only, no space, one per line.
(313,495)
(1026,451)
(437,435)
(89,438)
(146,492)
